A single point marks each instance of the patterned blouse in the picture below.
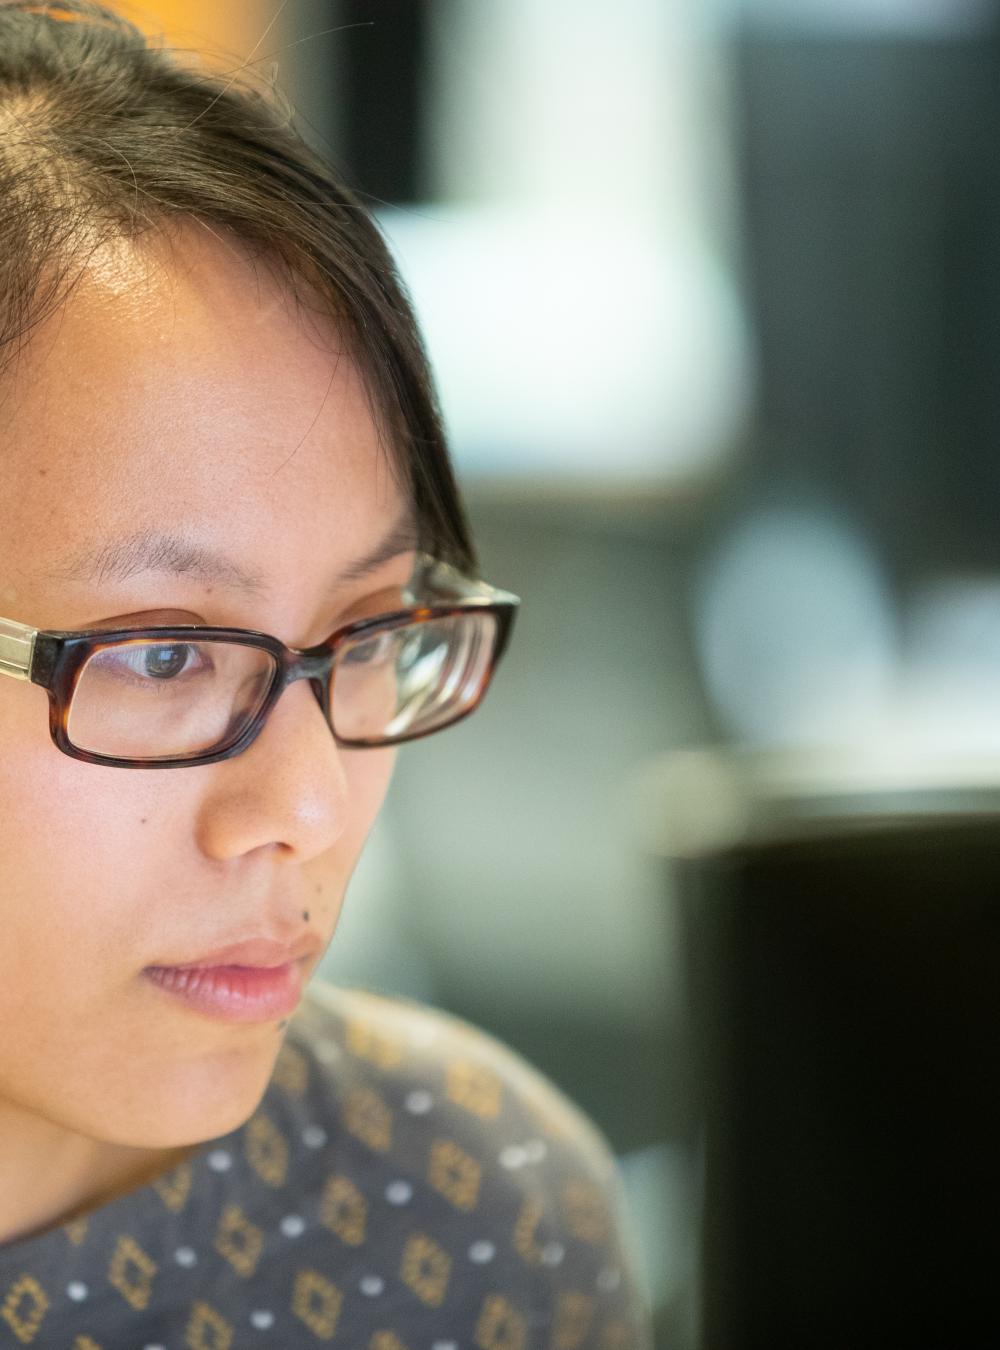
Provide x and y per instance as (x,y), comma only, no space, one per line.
(407,1182)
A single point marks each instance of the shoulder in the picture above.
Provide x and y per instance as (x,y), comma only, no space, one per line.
(421,1055)
(495,1160)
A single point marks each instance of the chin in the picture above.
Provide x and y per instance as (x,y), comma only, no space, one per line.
(197,1102)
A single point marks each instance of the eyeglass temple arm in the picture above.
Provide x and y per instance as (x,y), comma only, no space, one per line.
(448,581)
(17,648)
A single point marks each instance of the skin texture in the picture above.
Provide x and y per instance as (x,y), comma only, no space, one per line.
(176,389)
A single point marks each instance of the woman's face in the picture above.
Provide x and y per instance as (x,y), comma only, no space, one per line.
(182,397)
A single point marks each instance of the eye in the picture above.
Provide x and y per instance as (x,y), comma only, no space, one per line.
(371,651)
(153,663)
(163,662)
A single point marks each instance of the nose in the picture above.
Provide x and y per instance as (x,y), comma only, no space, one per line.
(287,790)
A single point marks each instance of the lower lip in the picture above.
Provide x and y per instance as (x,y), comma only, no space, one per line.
(232,993)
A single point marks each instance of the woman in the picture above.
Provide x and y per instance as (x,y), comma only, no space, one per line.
(224,477)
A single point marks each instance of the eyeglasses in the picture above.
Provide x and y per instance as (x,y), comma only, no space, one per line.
(156,698)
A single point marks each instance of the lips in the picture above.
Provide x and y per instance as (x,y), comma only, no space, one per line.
(233,993)
(249,981)
(258,951)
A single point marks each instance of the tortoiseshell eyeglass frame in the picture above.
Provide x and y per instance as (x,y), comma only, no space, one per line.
(55,659)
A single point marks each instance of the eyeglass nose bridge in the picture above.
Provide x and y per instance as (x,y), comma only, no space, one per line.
(314,665)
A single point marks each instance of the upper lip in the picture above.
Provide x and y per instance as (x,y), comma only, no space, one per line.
(257,951)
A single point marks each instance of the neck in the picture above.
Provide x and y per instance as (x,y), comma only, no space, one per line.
(49,1174)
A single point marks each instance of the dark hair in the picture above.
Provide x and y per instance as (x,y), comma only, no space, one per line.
(104,136)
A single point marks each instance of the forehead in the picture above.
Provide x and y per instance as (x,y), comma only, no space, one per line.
(179,387)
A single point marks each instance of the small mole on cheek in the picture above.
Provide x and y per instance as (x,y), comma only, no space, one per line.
(142,820)
(42,473)
(305,915)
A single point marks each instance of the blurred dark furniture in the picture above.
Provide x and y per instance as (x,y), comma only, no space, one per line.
(845,990)
(870,192)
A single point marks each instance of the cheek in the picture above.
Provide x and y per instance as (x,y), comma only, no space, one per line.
(73,857)
(76,867)
(368,773)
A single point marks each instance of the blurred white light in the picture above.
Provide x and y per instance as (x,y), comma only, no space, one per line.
(574,343)
(795,629)
(951,692)
(578,293)
(661,1185)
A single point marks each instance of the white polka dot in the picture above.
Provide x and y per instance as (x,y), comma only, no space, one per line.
(513,1156)
(77,1291)
(154,1347)
(445,1345)
(482,1252)
(185,1256)
(419,1102)
(535,1150)
(219,1160)
(262,1319)
(609,1279)
(372,1285)
(314,1136)
(327,1052)
(398,1192)
(293,1225)
(552,1253)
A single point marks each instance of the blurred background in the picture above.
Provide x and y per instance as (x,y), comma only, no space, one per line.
(712,290)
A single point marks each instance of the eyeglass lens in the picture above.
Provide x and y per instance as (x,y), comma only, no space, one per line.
(155,699)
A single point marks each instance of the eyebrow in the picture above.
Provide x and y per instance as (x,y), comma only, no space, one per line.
(170,554)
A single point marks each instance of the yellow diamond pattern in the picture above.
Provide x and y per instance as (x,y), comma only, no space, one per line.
(574,1314)
(524,1231)
(174,1187)
(369,1042)
(291,1071)
(550,1114)
(454,1174)
(368,1118)
(316,1302)
(85,1343)
(24,1308)
(344,1210)
(131,1272)
(266,1149)
(239,1241)
(585,1210)
(76,1230)
(425,1269)
(473,1087)
(207,1329)
(500,1326)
